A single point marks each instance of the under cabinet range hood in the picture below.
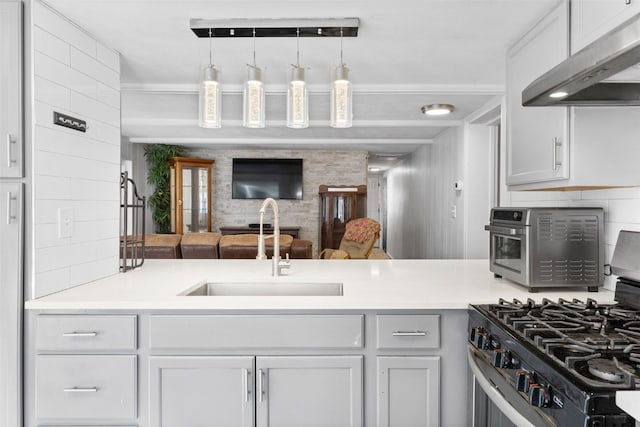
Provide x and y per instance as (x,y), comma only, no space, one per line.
(604,73)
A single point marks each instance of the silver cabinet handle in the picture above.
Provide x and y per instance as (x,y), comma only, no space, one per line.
(409,333)
(10,141)
(81,390)
(556,144)
(79,334)
(260,385)
(10,199)
(247,386)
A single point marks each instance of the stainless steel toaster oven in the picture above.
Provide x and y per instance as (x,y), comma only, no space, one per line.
(548,247)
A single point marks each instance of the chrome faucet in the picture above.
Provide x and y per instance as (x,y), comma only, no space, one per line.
(277,265)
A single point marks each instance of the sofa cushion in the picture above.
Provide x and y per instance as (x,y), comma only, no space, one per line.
(164,246)
(200,245)
(244,246)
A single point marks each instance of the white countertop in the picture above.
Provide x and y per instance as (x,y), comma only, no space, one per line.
(629,401)
(367,284)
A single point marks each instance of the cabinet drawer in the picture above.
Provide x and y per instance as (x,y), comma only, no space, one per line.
(408,331)
(84,333)
(86,387)
(255,331)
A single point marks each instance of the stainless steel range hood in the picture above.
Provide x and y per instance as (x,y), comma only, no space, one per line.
(582,76)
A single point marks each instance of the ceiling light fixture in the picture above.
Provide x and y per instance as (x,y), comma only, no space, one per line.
(437,109)
(297,99)
(253,106)
(341,94)
(209,96)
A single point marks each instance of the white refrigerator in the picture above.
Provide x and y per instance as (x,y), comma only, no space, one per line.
(12,223)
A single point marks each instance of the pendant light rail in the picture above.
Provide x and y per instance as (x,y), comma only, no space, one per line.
(330,27)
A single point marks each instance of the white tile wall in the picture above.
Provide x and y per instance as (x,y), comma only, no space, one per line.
(74,75)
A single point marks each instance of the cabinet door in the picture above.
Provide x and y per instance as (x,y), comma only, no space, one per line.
(408,391)
(591,19)
(201,391)
(11,229)
(537,137)
(309,391)
(11,89)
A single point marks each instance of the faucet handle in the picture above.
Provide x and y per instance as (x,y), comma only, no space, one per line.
(284,263)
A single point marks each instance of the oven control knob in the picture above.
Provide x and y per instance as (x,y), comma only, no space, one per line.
(524,379)
(538,396)
(472,334)
(500,358)
(481,340)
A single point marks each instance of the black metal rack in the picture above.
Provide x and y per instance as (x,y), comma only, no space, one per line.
(132,220)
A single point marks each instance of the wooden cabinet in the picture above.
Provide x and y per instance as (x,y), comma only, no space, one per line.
(11,132)
(339,204)
(408,391)
(190,185)
(591,19)
(537,137)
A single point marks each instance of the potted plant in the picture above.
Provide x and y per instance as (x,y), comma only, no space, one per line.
(158,156)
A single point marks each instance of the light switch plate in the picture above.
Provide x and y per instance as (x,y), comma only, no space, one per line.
(65,223)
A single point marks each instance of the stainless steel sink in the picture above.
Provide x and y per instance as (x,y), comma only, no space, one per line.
(266,289)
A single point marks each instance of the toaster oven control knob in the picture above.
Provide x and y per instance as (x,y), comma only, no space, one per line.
(500,358)
(523,380)
(538,396)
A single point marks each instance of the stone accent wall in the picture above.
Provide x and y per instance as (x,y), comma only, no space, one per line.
(319,167)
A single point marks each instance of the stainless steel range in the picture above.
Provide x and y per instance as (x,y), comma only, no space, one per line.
(559,363)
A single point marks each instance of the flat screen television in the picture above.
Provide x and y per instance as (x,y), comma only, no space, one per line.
(262,178)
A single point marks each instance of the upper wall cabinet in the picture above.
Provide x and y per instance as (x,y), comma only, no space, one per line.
(537,136)
(559,147)
(591,19)
(11,89)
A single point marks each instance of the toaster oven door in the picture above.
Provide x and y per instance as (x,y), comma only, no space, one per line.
(508,252)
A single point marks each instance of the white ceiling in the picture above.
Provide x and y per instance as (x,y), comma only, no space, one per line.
(408,53)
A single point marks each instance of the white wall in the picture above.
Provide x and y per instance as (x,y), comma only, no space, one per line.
(476,191)
(446,165)
(408,200)
(79,172)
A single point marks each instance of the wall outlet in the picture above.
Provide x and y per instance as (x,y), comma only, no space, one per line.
(65,223)
(454,211)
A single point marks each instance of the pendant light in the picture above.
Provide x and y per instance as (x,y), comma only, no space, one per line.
(209,96)
(341,95)
(253,106)
(297,99)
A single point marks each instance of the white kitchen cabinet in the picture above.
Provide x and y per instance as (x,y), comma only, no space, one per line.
(286,391)
(559,147)
(537,137)
(591,19)
(201,391)
(11,230)
(310,391)
(11,131)
(86,369)
(408,391)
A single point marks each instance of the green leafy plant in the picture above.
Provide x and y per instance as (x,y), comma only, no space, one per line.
(158,175)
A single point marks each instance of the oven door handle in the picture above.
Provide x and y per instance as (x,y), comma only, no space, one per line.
(494,394)
(508,231)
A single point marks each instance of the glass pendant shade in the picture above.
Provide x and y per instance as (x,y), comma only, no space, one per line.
(341,99)
(210,99)
(253,107)
(297,100)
